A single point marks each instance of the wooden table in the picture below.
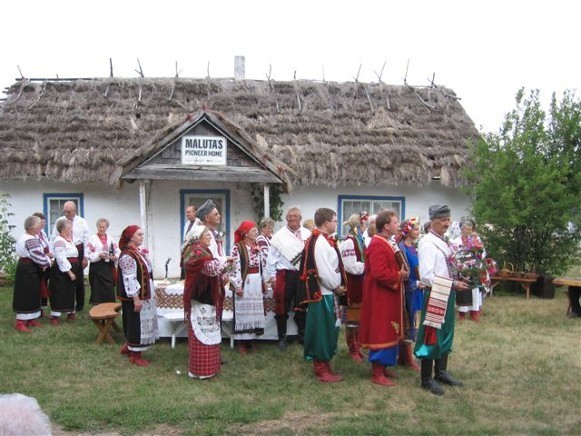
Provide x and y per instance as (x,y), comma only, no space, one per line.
(525,283)
(104,315)
(567,281)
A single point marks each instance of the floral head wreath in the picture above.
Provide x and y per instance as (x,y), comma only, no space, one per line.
(363,216)
(409,224)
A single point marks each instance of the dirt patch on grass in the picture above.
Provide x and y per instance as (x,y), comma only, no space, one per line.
(295,422)
(165,430)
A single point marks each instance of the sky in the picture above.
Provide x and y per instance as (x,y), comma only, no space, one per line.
(484,51)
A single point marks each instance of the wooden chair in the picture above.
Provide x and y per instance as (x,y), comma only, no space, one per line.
(104,315)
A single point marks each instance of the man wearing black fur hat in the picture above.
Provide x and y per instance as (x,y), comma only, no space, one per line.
(436,332)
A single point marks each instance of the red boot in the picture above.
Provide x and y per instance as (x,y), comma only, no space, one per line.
(71,316)
(461,316)
(125,350)
(33,323)
(54,320)
(475,315)
(408,356)
(352,345)
(378,376)
(242,348)
(359,347)
(323,373)
(20,326)
(135,359)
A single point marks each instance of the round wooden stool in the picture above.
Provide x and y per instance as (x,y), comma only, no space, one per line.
(104,315)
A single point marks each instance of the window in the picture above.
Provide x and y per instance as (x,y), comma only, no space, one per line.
(53,207)
(350,204)
(221,197)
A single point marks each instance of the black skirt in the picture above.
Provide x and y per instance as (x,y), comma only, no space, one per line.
(102,281)
(62,290)
(26,297)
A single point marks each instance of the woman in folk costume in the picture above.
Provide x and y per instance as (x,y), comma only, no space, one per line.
(413,298)
(45,273)
(203,297)
(135,290)
(353,255)
(265,231)
(62,282)
(246,280)
(27,282)
(103,253)
(381,328)
(468,237)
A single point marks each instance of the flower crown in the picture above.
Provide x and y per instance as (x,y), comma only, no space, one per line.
(410,224)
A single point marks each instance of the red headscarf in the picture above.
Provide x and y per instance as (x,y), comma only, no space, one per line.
(243,230)
(127,235)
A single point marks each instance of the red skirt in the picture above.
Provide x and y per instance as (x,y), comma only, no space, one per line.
(204,360)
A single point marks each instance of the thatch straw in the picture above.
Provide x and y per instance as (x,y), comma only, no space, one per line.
(328,133)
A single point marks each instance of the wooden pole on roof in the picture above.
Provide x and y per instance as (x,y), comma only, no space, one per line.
(266,200)
(110,67)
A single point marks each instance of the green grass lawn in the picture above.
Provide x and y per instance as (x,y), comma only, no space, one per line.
(521,367)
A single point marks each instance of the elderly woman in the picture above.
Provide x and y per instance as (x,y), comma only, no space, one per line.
(45,273)
(353,256)
(103,253)
(135,290)
(62,282)
(27,284)
(202,303)
(467,237)
(265,230)
(245,279)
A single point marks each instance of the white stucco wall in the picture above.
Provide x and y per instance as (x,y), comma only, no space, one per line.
(121,207)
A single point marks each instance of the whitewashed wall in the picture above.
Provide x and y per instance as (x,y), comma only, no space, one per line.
(121,207)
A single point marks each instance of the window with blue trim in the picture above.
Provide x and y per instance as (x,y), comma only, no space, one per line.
(355,204)
(53,207)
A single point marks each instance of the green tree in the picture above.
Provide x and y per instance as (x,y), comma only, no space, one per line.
(7,241)
(525,185)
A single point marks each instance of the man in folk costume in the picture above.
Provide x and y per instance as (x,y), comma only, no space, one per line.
(81,235)
(282,273)
(436,330)
(210,217)
(381,328)
(353,256)
(324,276)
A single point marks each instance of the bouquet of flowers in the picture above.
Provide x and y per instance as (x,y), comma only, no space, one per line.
(470,262)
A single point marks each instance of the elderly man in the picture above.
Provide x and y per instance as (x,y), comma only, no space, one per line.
(436,332)
(208,216)
(326,280)
(282,272)
(80,239)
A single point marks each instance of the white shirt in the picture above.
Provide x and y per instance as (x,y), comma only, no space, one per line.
(327,263)
(432,253)
(349,255)
(194,223)
(80,233)
(276,260)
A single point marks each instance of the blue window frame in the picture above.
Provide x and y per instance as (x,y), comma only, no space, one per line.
(53,207)
(221,197)
(347,205)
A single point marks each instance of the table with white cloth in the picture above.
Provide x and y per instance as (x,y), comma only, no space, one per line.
(170,314)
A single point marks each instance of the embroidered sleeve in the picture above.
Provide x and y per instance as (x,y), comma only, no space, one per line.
(36,252)
(94,247)
(327,264)
(236,273)
(60,254)
(349,256)
(214,267)
(128,268)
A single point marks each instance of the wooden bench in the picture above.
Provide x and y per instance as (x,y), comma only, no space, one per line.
(525,283)
(103,316)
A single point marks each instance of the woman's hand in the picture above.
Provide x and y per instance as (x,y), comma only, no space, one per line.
(239,292)
(72,275)
(137,304)
(461,286)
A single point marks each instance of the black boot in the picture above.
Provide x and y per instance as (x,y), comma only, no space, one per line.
(281,330)
(300,320)
(442,375)
(428,383)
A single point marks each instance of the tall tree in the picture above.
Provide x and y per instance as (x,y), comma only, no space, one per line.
(525,184)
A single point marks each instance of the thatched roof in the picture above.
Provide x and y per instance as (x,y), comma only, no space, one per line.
(84,130)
